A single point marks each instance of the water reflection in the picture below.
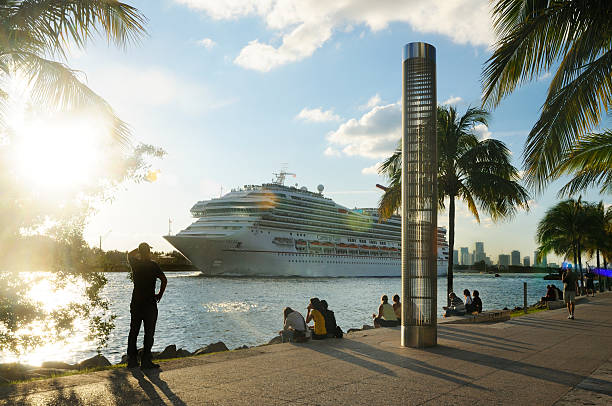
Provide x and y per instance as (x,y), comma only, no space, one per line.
(51,294)
(196,311)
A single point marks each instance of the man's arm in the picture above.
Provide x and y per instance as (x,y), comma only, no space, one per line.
(132,255)
(380,311)
(162,288)
(308,316)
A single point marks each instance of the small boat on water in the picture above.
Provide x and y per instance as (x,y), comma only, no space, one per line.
(497,275)
(552,277)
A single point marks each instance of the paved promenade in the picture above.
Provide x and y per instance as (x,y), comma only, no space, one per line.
(539,359)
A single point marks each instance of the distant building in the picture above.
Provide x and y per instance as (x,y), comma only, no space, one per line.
(543,263)
(455,257)
(526,261)
(479,254)
(472,258)
(503,260)
(515,258)
(535,259)
(465,256)
(488,261)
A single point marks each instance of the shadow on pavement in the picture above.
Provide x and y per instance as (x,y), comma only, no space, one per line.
(117,388)
(381,356)
(478,339)
(153,375)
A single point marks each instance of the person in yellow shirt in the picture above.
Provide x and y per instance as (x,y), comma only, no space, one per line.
(386,315)
(315,313)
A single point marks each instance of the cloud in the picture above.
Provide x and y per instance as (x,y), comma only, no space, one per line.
(373,135)
(152,87)
(372,102)
(206,43)
(329,151)
(452,100)
(371,170)
(305,26)
(482,131)
(317,115)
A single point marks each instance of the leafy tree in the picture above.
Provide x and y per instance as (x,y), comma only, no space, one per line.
(563,230)
(35,36)
(598,238)
(479,172)
(575,36)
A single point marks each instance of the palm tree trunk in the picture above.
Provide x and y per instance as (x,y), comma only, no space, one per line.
(598,275)
(451,245)
(580,267)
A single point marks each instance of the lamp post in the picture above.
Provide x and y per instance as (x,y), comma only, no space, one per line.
(419,196)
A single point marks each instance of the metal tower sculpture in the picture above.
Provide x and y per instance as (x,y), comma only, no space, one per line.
(419,196)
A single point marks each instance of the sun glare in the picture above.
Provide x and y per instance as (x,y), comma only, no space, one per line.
(59,152)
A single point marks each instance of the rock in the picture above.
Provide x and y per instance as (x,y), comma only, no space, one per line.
(168,352)
(57,365)
(215,347)
(244,347)
(275,340)
(182,353)
(367,327)
(94,362)
(352,330)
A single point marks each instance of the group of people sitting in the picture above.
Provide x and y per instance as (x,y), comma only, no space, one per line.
(296,329)
(457,307)
(388,315)
(552,293)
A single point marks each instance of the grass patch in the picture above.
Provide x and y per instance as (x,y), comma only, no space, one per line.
(530,310)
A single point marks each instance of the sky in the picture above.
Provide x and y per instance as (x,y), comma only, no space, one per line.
(234,89)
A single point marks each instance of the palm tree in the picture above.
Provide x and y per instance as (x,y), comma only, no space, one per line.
(576,37)
(34,32)
(598,239)
(563,230)
(476,171)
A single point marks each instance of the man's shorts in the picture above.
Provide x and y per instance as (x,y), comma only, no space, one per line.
(569,296)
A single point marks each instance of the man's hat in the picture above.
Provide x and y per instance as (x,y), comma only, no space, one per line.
(144,245)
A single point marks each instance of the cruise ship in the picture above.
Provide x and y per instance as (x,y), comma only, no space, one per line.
(277,230)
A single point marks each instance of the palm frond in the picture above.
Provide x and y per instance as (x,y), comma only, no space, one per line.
(591,162)
(56,23)
(575,110)
(54,83)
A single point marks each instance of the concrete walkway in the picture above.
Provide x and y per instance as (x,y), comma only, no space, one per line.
(539,359)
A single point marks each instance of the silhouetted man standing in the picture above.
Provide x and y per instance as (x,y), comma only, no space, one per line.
(143,308)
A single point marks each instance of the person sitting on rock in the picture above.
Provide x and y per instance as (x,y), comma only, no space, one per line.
(386,315)
(294,326)
(315,313)
(469,308)
(397,307)
(476,302)
(456,308)
(330,320)
(551,294)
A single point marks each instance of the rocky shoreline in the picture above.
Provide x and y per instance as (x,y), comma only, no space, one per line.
(15,372)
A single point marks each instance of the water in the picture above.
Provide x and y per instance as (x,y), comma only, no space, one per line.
(197,310)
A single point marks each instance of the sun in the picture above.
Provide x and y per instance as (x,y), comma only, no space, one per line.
(58,152)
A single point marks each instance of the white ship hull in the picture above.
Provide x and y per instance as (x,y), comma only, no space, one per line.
(225,256)
(276,230)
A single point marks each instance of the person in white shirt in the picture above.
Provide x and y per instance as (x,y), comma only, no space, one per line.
(294,325)
(469,307)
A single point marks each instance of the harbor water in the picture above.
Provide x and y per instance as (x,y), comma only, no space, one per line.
(198,310)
